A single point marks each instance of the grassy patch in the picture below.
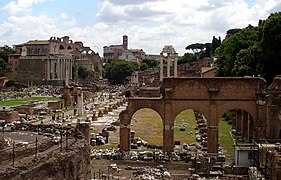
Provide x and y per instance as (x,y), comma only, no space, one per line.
(147,125)
(185,119)
(22,101)
(225,139)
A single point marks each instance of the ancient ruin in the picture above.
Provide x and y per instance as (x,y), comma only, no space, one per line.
(212,97)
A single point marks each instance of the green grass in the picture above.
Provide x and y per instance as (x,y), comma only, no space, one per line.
(22,101)
(225,139)
(185,119)
(147,125)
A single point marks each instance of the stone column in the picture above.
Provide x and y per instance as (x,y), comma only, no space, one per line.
(245,125)
(168,129)
(80,103)
(51,70)
(176,65)
(168,138)
(125,131)
(48,69)
(125,138)
(213,136)
(69,69)
(212,143)
(60,70)
(168,65)
(238,121)
(161,68)
(250,128)
(84,127)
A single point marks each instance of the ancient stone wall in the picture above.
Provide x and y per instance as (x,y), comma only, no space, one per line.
(69,160)
(74,164)
(56,105)
(9,116)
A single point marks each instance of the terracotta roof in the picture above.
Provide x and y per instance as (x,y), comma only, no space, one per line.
(37,42)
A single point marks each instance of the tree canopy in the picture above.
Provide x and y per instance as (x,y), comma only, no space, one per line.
(117,71)
(82,72)
(5,51)
(252,51)
(200,50)
(151,63)
(187,58)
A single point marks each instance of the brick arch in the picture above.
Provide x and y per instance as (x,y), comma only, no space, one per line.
(135,105)
(197,106)
(210,96)
(250,107)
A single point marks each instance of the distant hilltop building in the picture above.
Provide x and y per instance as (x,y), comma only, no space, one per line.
(121,51)
(51,61)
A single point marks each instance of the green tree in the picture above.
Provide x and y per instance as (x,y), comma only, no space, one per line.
(231,32)
(215,44)
(5,51)
(82,72)
(143,66)
(10,83)
(2,65)
(196,48)
(117,71)
(270,33)
(252,51)
(151,63)
(230,48)
(200,50)
(187,58)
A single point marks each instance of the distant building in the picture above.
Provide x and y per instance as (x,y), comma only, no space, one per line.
(208,72)
(113,52)
(121,51)
(49,61)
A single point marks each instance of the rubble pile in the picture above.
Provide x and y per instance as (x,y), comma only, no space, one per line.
(151,173)
(201,136)
(2,143)
(46,150)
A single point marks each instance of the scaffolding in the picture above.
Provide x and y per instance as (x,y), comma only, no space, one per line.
(266,156)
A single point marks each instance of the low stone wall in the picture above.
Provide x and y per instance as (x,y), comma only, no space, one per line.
(9,116)
(51,161)
(56,105)
(74,164)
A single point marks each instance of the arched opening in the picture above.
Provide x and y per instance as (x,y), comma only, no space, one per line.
(69,47)
(190,131)
(146,130)
(236,130)
(61,47)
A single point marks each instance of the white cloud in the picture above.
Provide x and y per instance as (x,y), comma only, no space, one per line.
(68,20)
(150,24)
(20,6)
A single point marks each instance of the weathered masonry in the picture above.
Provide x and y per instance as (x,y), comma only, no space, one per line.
(258,108)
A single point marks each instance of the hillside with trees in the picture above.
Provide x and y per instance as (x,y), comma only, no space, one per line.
(252,51)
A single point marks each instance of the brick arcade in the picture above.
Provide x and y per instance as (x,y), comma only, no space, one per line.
(257,107)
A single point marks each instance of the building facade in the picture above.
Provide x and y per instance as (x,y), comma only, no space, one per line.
(40,61)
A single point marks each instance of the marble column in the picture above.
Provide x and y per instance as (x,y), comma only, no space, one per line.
(176,65)
(168,65)
(48,69)
(161,68)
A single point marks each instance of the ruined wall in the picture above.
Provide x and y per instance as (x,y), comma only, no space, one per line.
(25,110)
(74,164)
(9,116)
(56,105)
(69,160)
(273,102)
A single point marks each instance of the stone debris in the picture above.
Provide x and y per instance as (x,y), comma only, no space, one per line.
(148,173)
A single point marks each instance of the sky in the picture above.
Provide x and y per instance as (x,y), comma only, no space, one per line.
(149,24)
